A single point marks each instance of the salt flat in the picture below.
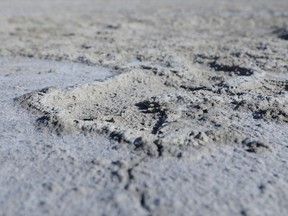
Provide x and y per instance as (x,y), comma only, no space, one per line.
(132,108)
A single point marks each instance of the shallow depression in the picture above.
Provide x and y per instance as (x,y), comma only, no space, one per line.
(34,73)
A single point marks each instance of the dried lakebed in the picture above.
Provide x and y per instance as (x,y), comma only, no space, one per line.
(235,111)
(168,109)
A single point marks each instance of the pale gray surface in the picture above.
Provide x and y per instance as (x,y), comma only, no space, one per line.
(72,175)
(45,174)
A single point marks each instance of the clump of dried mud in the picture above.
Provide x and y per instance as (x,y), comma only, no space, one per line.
(164,110)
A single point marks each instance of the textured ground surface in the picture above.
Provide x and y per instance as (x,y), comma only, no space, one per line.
(155,108)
